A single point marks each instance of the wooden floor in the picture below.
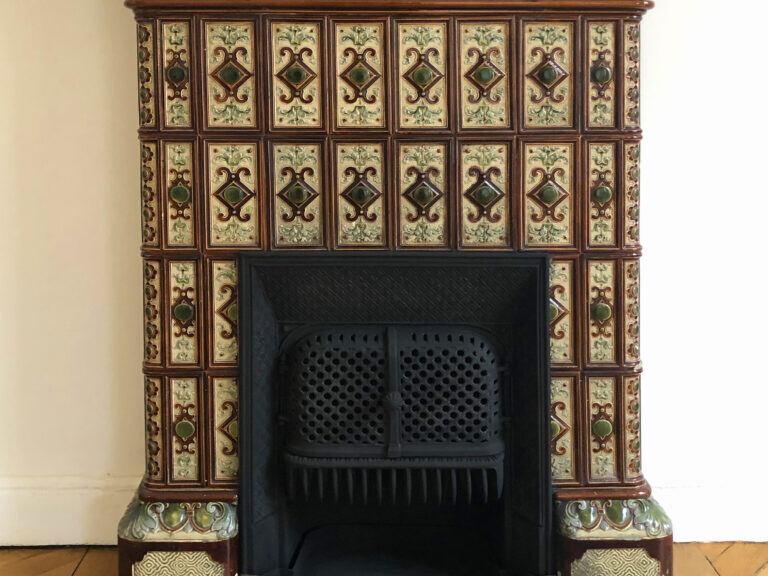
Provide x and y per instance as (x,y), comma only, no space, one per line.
(717,559)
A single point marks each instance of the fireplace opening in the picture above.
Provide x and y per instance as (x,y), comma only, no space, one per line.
(395,415)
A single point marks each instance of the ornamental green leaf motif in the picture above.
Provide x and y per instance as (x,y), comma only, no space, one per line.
(549,156)
(484,36)
(297,156)
(421,114)
(229,35)
(485,156)
(361,35)
(422,156)
(548,233)
(548,36)
(361,156)
(233,156)
(360,115)
(296,35)
(483,114)
(297,114)
(422,36)
(360,232)
(231,113)
(546,113)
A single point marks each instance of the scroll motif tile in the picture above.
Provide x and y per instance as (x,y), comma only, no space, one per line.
(422,66)
(360,194)
(145,40)
(226,407)
(601,290)
(224,310)
(182,281)
(230,75)
(548,84)
(153,402)
(631,74)
(149,195)
(484,71)
(153,338)
(484,201)
(361,97)
(422,195)
(548,172)
(234,217)
(601,178)
(631,311)
(561,306)
(632,193)
(176,75)
(601,90)
(185,429)
(602,431)
(298,195)
(562,425)
(179,189)
(632,423)
(297,97)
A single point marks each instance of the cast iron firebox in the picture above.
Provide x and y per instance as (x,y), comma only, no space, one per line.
(395,415)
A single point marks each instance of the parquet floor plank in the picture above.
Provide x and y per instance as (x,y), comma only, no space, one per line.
(44,562)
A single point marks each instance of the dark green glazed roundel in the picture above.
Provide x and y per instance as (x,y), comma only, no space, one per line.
(600,312)
(484,75)
(185,429)
(359,75)
(360,195)
(183,313)
(230,74)
(296,75)
(180,194)
(548,75)
(297,195)
(423,75)
(602,428)
(423,194)
(233,195)
(602,194)
(601,74)
(176,74)
(548,194)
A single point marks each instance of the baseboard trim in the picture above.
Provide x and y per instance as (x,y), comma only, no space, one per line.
(63,510)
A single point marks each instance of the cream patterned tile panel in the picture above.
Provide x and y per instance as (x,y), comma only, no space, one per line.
(548,205)
(233,203)
(484,72)
(224,307)
(230,74)
(601,175)
(631,311)
(562,424)
(561,306)
(149,195)
(182,282)
(154,430)
(602,423)
(177,564)
(616,562)
(226,407)
(180,194)
(185,429)
(422,194)
(361,97)
(601,290)
(176,75)
(360,194)
(548,84)
(632,461)
(484,202)
(601,93)
(631,194)
(298,195)
(145,55)
(422,66)
(631,74)
(153,337)
(297,91)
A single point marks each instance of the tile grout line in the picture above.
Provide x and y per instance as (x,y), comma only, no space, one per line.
(85,552)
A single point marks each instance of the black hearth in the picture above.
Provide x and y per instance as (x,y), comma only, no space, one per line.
(395,415)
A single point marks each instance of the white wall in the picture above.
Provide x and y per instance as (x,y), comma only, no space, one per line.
(70,334)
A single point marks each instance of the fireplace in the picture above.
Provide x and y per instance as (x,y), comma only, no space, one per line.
(395,414)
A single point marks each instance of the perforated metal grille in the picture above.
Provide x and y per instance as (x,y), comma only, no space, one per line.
(450,388)
(337,381)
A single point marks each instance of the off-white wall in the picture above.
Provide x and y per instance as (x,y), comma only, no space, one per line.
(70,310)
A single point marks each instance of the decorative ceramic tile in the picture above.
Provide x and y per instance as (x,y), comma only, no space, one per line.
(297,99)
(230,67)
(561,424)
(632,427)
(601,290)
(561,330)
(484,201)
(184,429)
(153,339)
(602,403)
(179,186)
(615,562)
(548,180)
(233,204)
(422,66)
(631,74)
(631,311)
(601,177)
(631,193)
(548,84)
(484,71)
(601,98)
(422,203)
(182,282)
(177,564)
(153,403)
(224,310)
(298,201)
(149,195)
(226,407)
(145,39)
(176,75)
(360,89)
(360,194)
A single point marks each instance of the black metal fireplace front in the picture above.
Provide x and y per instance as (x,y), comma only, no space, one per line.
(394,415)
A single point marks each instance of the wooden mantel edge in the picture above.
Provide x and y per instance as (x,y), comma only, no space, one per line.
(415,5)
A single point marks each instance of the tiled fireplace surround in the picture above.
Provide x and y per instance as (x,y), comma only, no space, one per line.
(323,126)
